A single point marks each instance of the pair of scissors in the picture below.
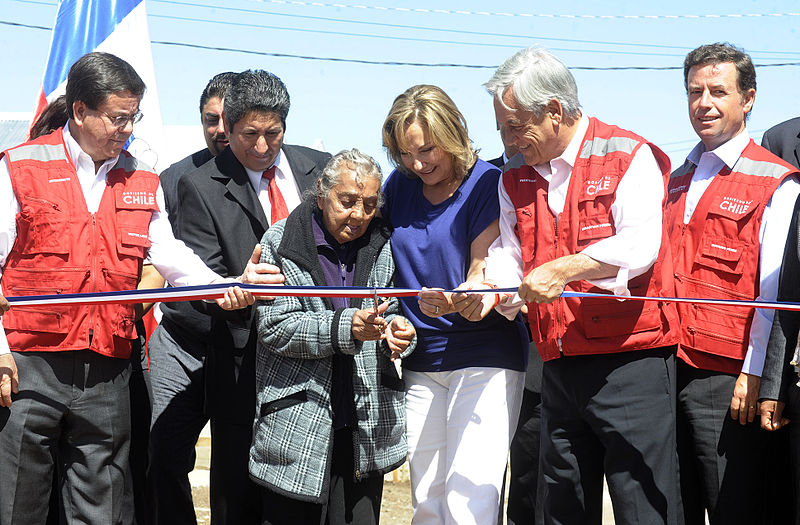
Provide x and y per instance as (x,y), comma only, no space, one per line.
(375,306)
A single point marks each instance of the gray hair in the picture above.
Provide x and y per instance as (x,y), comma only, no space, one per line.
(258,91)
(353,160)
(537,77)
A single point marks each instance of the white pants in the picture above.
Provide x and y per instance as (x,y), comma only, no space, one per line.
(460,425)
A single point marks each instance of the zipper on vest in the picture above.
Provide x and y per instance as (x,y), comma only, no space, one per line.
(43,201)
(558,302)
(93,308)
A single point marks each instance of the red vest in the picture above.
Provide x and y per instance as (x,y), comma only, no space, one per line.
(572,326)
(62,248)
(716,255)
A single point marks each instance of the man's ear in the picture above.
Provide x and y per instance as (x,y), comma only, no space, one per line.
(79,108)
(554,111)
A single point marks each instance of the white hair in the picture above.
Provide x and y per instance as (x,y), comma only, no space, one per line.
(536,77)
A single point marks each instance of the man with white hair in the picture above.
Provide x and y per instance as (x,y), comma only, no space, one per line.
(583,214)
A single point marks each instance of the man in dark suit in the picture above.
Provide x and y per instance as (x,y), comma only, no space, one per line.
(526,488)
(784,140)
(779,395)
(216,140)
(227,205)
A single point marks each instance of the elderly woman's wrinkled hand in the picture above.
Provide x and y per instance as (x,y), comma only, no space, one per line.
(368,325)
(399,334)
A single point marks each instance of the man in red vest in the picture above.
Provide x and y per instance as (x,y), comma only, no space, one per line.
(584,214)
(80,214)
(728,210)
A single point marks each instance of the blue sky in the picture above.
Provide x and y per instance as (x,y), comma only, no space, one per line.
(344,104)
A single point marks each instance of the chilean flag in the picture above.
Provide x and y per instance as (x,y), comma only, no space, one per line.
(114,26)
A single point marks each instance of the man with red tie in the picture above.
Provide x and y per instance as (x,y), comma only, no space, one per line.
(226,206)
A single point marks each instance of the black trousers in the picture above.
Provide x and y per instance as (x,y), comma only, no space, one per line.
(610,415)
(526,488)
(349,501)
(721,462)
(72,414)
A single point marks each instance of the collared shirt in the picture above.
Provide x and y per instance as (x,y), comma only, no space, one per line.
(637,217)
(286,184)
(772,235)
(174,260)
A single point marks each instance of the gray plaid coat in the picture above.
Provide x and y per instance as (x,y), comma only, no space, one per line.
(293,428)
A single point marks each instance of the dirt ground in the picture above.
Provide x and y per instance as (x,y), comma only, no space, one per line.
(395,507)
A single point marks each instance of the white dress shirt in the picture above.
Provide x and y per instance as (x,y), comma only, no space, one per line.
(286,184)
(174,260)
(777,214)
(636,212)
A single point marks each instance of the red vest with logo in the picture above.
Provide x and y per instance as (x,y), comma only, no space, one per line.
(575,326)
(62,248)
(716,255)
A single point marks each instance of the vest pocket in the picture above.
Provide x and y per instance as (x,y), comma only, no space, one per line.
(133,238)
(721,253)
(602,319)
(38,319)
(47,226)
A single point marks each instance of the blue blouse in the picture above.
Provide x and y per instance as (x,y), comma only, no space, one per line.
(431,247)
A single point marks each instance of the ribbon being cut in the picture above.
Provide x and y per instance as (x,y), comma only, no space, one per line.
(214,291)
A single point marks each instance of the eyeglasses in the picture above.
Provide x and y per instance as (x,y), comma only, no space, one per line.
(121,121)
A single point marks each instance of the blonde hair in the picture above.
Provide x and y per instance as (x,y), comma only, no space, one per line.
(430,107)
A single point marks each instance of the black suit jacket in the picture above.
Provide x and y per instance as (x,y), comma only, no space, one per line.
(784,141)
(778,381)
(170,177)
(222,220)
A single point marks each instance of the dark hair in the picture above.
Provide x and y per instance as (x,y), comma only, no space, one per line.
(96,76)
(259,91)
(216,87)
(717,54)
(53,117)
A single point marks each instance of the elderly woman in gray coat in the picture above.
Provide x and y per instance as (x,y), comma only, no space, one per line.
(329,415)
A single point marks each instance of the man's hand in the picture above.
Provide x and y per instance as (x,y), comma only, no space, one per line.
(434,302)
(544,284)
(399,334)
(235,299)
(744,403)
(772,414)
(369,325)
(474,306)
(9,380)
(4,305)
(260,273)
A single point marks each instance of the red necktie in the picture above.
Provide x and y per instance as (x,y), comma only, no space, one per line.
(278,209)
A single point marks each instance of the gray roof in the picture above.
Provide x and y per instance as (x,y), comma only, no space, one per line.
(13,132)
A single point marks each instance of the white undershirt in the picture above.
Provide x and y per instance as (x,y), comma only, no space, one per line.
(286,184)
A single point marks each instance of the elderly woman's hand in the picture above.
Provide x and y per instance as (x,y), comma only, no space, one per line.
(399,335)
(368,325)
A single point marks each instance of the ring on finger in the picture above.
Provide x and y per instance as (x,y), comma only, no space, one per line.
(436,310)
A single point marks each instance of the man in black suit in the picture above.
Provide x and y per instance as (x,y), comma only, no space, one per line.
(216,140)
(526,487)
(227,205)
(779,395)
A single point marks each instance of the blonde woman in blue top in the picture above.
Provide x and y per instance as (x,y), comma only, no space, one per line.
(464,382)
